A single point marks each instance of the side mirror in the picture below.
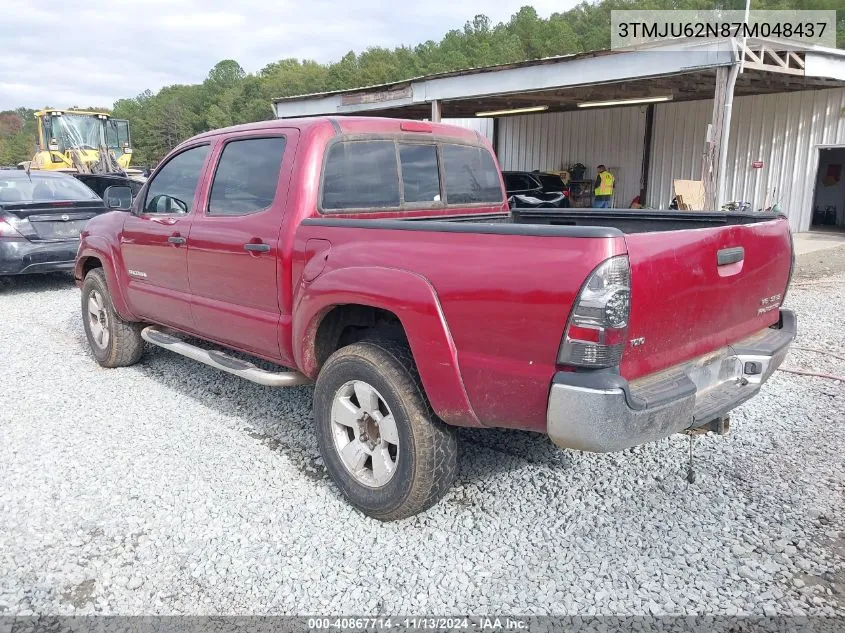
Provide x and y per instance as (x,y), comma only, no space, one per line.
(118,197)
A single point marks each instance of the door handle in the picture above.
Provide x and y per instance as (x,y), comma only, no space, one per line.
(730,255)
(175,239)
(257,248)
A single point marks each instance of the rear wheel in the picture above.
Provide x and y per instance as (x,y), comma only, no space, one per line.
(114,342)
(381,443)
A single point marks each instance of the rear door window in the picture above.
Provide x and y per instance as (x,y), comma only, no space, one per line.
(471,175)
(361,175)
(246,176)
(420,172)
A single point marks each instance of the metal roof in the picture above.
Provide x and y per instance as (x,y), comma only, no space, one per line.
(686,69)
(452,73)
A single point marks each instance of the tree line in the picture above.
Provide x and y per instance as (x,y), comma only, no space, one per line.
(229,95)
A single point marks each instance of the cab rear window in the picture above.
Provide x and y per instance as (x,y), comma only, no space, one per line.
(471,175)
(399,173)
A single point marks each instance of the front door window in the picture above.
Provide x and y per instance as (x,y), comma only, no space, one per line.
(172,189)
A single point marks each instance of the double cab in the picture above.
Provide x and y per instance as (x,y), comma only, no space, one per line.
(378,259)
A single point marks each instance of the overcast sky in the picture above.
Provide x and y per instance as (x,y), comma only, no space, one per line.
(80,53)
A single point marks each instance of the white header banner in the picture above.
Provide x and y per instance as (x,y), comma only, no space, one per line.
(800,28)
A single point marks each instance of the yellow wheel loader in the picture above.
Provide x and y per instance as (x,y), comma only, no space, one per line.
(81,141)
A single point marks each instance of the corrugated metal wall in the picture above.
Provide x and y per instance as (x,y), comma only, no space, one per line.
(677,147)
(613,136)
(783,130)
(485,126)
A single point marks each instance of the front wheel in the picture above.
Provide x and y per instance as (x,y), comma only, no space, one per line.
(381,443)
(114,342)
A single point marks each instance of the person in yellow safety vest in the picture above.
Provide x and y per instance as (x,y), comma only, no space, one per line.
(604,188)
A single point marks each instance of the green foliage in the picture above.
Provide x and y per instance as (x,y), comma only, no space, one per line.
(230,96)
(18,130)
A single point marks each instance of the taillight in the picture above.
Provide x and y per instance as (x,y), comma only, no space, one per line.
(598,326)
(7,230)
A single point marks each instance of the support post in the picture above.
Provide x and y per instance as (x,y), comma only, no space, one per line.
(646,166)
(725,134)
(435,111)
(710,168)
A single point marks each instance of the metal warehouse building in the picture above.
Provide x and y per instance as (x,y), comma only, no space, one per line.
(761,121)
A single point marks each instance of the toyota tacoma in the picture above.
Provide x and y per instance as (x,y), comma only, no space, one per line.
(378,259)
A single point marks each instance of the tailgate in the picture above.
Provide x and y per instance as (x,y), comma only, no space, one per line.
(694,291)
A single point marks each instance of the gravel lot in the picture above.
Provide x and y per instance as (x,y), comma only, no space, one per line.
(170,487)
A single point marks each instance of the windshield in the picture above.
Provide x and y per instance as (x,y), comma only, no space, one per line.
(77,131)
(14,188)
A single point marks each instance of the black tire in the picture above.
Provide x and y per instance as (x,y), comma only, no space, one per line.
(124,345)
(427,455)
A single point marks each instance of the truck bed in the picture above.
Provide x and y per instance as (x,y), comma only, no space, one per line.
(506,283)
(559,222)
(630,221)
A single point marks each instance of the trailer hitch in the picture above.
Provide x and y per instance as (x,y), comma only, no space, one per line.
(719,426)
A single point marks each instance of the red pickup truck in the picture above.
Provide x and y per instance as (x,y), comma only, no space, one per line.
(378,258)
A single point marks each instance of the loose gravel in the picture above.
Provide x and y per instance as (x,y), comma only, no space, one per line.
(172,488)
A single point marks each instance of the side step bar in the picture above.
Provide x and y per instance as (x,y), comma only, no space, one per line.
(224,362)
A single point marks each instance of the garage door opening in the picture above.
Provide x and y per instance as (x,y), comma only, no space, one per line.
(829,200)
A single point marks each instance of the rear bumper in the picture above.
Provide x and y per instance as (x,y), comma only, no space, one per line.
(19,257)
(602,412)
